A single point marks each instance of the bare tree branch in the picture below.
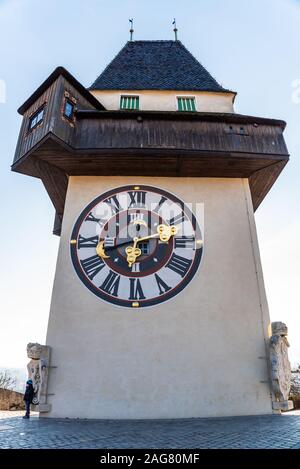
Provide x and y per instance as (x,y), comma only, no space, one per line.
(6,380)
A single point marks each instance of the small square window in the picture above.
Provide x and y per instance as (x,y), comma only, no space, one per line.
(144,247)
(130,102)
(186,104)
(36,118)
(69,109)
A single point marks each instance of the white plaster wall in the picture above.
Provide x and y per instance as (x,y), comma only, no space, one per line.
(201,354)
(167,100)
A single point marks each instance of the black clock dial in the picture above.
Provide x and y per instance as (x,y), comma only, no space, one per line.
(136,246)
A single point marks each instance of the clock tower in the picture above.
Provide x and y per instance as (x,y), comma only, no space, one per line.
(158,307)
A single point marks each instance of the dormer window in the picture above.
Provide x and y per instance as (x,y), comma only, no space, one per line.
(186,104)
(36,118)
(130,102)
(69,109)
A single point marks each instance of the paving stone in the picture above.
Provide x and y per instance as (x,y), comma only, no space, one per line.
(239,432)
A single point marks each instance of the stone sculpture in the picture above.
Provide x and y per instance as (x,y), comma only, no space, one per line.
(280,366)
(38,371)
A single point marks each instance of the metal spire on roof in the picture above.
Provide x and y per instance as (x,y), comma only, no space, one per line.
(131,29)
(175,29)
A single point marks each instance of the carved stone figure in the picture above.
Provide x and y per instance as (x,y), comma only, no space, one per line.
(38,372)
(280,366)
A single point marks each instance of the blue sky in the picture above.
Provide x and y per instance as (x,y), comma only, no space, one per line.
(251,47)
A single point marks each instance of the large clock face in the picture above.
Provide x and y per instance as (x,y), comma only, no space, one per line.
(136,246)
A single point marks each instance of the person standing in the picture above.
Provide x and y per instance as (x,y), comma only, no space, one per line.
(28,396)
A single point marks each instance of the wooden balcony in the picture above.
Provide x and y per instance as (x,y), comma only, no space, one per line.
(100,142)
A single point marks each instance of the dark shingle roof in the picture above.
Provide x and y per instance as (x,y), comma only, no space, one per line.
(155,65)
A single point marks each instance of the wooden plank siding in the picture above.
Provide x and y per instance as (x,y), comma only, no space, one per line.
(169,134)
(53,121)
(27,140)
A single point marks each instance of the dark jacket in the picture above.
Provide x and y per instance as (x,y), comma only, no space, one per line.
(29,393)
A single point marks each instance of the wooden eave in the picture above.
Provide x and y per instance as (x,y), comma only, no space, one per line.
(150,143)
(224,117)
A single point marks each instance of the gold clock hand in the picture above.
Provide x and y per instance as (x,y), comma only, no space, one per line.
(164,232)
(145,238)
(132,252)
(102,250)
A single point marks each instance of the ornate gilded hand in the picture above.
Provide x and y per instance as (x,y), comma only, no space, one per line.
(164,233)
(132,252)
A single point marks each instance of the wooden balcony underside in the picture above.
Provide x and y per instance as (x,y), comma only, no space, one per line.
(53,161)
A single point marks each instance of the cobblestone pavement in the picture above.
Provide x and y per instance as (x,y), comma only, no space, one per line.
(277,431)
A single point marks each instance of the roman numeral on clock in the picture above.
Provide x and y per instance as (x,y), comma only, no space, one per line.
(91,217)
(92,266)
(135,267)
(137,198)
(185,242)
(111,283)
(109,241)
(113,202)
(135,216)
(87,242)
(178,219)
(179,264)
(136,291)
(162,286)
(160,203)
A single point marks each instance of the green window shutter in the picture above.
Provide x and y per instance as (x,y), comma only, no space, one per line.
(186,104)
(129,102)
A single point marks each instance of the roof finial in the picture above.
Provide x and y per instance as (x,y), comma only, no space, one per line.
(131,29)
(175,29)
